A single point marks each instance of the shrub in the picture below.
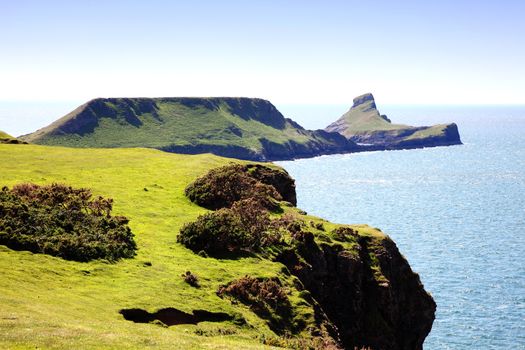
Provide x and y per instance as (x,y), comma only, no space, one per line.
(265,296)
(317,225)
(256,221)
(62,221)
(344,234)
(278,178)
(223,186)
(191,279)
(217,232)
(246,226)
(290,223)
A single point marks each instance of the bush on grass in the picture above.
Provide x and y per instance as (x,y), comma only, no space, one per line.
(62,221)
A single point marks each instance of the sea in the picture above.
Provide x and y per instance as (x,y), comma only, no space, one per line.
(456,213)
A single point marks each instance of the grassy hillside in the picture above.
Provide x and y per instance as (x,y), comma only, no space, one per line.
(364,125)
(48,302)
(6,138)
(4,135)
(364,116)
(238,127)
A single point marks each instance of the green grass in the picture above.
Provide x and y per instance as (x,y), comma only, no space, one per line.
(175,123)
(364,120)
(435,130)
(4,135)
(48,302)
(364,117)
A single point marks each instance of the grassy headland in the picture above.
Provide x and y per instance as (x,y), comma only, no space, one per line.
(243,128)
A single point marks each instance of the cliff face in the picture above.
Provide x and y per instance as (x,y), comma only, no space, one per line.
(243,128)
(373,297)
(364,125)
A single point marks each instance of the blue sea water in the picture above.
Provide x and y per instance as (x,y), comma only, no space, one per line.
(456,213)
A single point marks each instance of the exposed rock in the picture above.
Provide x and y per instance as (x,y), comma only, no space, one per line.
(373,297)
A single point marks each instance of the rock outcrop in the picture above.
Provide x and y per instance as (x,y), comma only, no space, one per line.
(372,297)
(364,125)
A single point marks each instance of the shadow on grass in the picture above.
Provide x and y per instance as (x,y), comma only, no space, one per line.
(171,316)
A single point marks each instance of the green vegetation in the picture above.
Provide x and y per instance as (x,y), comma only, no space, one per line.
(431,131)
(242,223)
(6,138)
(235,127)
(191,279)
(49,302)
(223,186)
(364,116)
(266,297)
(61,221)
(364,125)
(217,233)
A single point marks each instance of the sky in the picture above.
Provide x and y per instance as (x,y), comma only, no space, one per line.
(55,55)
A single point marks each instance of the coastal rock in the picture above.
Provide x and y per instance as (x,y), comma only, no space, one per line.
(373,297)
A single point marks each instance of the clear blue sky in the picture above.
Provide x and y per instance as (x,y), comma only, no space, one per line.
(315,52)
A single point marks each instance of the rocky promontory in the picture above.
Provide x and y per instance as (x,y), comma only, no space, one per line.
(364,125)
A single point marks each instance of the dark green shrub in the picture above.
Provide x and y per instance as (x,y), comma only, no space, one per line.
(223,186)
(256,221)
(62,221)
(246,226)
(215,233)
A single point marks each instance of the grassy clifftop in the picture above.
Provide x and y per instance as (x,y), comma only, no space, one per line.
(364,125)
(48,302)
(242,128)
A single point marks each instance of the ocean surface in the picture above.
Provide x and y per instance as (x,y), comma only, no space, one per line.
(457,214)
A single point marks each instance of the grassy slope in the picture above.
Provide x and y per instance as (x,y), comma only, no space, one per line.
(429,132)
(4,135)
(363,118)
(48,302)
(176,124)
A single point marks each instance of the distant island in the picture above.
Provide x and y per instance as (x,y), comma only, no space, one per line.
(364,125)
(243,128)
